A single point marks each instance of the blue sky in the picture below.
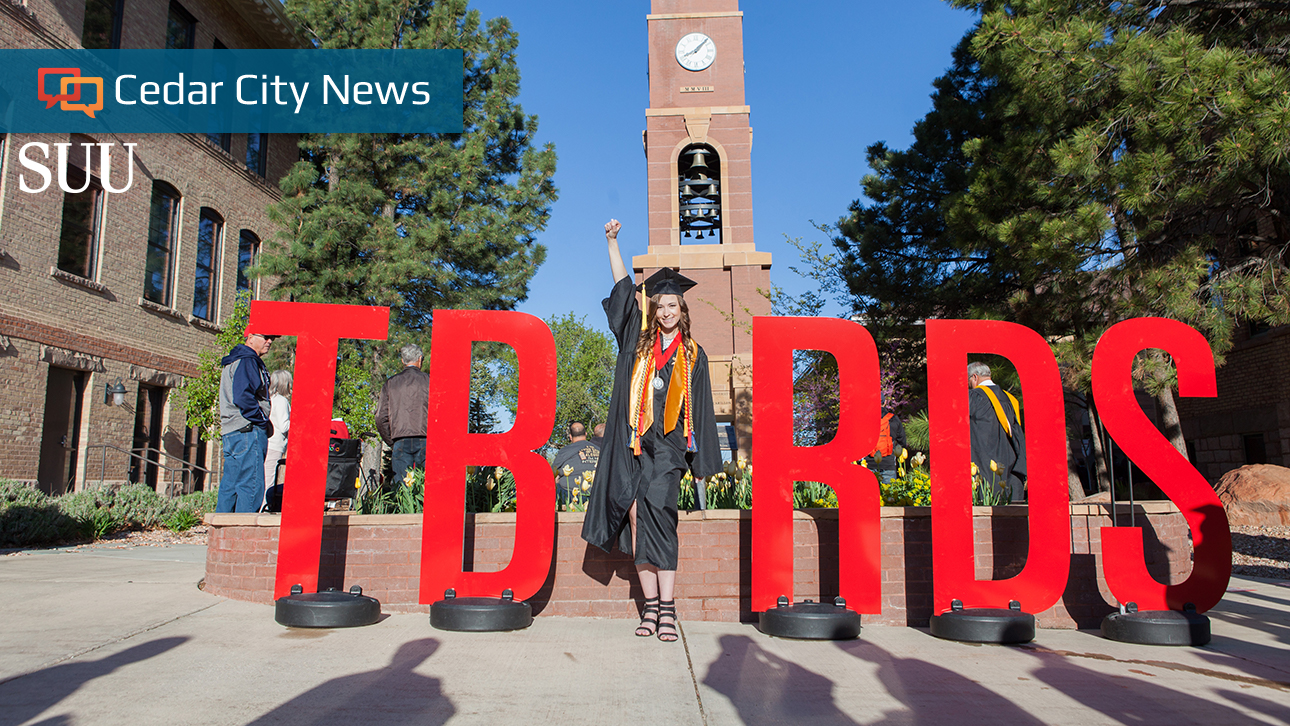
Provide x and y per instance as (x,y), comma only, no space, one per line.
(824,82)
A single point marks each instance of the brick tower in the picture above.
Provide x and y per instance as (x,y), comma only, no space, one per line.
(698,147)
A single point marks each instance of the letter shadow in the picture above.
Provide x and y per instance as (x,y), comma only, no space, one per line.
(30,694)
(768,690)
(935,695)
(391,695)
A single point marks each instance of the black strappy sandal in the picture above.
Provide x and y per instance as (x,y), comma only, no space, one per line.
(667,609)
(649,619)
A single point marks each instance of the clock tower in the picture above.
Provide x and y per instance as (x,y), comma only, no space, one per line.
(698,150)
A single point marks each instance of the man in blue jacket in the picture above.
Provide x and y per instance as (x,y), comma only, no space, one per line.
(244,425)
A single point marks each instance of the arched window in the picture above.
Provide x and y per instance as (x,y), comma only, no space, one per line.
(699,186)
(248,250)
(78,239)
(163,230)
(210,237)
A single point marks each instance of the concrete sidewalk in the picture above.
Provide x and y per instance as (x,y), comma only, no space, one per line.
(99,635)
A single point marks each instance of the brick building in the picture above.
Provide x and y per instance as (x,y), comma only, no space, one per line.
(1249,421)
(101,288)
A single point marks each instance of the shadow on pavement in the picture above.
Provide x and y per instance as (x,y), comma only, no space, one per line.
(935,695)
(390,695)
(766,689)
(1140,699)
(25,696)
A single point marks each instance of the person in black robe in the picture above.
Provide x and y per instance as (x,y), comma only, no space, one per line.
(996,432)
(660,424)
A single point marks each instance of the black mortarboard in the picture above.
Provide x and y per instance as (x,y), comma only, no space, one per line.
(667,282)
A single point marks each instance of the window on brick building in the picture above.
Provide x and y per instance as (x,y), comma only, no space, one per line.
(224,141)
(102,27)
(210,237)
(163,229)
(248,249)
(78,239)
(181,28)
(257,151)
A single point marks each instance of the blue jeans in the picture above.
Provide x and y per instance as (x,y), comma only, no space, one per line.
(406,453)
(241,488)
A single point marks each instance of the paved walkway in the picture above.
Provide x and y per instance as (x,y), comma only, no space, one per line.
(99,635)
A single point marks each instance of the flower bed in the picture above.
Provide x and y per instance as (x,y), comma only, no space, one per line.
(381,553)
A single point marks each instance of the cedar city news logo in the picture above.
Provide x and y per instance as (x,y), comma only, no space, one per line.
(71,80)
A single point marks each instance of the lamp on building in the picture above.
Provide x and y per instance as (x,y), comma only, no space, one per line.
(114,393)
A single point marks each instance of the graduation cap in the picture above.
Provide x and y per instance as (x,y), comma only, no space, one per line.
(667,282)
(664,282)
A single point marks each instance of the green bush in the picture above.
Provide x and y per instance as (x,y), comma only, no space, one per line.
(30,517)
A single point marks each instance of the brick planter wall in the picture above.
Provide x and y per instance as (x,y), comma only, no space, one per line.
(382,554)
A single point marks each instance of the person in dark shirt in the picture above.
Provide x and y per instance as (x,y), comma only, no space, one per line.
(575,463)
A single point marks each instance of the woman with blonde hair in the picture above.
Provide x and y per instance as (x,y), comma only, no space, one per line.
(660,424)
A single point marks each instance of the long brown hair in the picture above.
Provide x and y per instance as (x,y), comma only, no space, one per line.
(648,335)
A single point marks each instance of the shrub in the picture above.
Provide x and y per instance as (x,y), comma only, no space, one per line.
(30,517)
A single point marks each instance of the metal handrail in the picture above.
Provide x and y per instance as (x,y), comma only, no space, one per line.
(134,454)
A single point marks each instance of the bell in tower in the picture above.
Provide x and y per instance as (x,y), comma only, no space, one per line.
(699,184)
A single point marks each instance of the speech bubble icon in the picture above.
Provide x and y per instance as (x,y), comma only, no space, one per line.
(51,99)
(88,108)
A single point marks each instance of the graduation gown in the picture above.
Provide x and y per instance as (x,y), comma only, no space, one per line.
(991,443)
(653,478)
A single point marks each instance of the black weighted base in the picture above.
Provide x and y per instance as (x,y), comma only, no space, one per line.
(327,609)
(480,614)
(1157,627)
(985,625)
(810,620)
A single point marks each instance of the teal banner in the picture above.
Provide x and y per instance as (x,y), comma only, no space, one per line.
(231,91)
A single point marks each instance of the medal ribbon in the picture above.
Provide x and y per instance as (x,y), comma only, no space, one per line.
(661,357)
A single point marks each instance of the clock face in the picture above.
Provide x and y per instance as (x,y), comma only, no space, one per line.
(695,52)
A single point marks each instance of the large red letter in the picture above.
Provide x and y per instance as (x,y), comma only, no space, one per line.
(1122,558)
(320,328)
(780,463)
(1041,582)
(451,448)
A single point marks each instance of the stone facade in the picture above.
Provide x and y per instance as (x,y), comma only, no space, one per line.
(381,553)
(1249,421)
(66,336)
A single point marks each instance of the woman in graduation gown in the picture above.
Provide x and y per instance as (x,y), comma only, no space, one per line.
(660,424)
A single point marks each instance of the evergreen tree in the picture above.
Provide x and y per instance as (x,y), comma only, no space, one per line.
(415,221)
(1086,163)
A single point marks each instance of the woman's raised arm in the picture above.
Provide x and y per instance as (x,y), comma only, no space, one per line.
(615,257)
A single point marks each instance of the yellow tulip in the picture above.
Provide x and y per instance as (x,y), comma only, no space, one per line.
(567,470)
(901,472)
(904,454)
(498,472)
(490,484)
(975,469)
(994,466)
(864,463)
(586,485)
(742,464)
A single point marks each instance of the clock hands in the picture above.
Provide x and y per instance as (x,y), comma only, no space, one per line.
(698,47)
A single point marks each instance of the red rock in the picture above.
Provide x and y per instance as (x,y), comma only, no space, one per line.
(1256,494)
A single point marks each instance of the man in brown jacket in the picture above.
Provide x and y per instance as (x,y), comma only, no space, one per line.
(401,413)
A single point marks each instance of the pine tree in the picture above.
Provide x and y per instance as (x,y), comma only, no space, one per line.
(416,221)
(1086,163)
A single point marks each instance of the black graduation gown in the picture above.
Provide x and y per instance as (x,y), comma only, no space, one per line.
(652,479)
(991,443)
